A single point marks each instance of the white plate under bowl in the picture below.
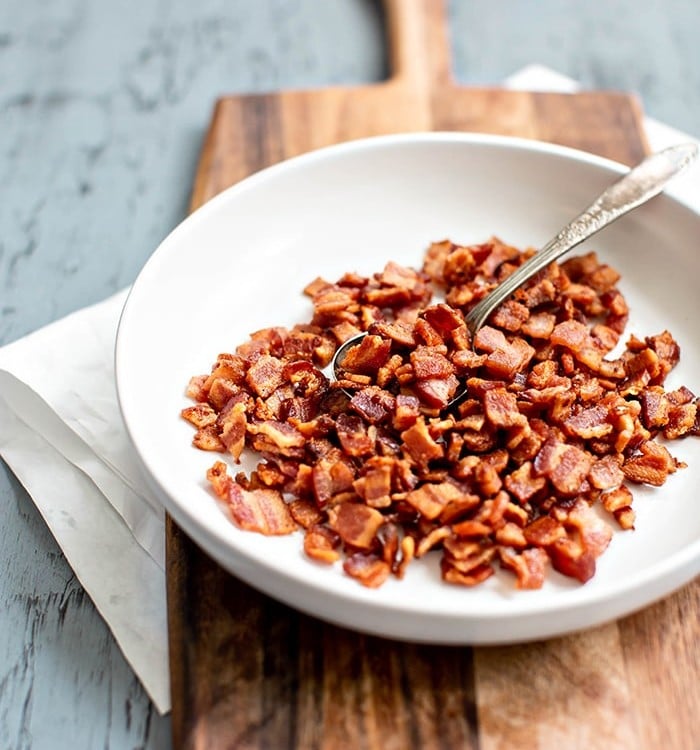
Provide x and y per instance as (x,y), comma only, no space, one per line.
(239,264)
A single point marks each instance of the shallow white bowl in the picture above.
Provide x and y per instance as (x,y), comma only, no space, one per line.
(240,263)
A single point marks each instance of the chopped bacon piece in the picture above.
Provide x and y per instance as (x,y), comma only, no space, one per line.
(523,484)
(369,570)
(434,261)
(322,544)
(544,531)
(375,486)
(605,473)
(265,375)
(566,466)
(399,331)
(328,479)
(419,443)
(263,510)
(594,533)
(207,439)
(431,499)
(201,415)
(354,435)
(356,524)
(651,466)
(368,356)
(572,559)
(511,316)
(444,319)
(501,409)
(475,576)
(233,424)
(529,566)
(305,513)
(589,423)
(407,412)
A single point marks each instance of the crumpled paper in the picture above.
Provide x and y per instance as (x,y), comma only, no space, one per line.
(62,434)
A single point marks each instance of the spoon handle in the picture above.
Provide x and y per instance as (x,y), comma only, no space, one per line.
(640,184)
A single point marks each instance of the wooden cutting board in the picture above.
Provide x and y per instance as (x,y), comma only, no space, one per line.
(248,672)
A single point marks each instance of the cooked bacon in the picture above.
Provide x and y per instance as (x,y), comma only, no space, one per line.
(375,486)
(566,466)
(544,531)
(366,357)
(523,484)
(431,499)
(572,559)
(322,544)
(233,425)
(420,445)
(354,435)
(207,439)
(434,261)
(305,513)
(369,570)
(501,409)
(265,375)
(263,511)
(605,473)
(356,524)
(201,415)
(589,423)
(651,465)
(328,479)
(593,532)
(550,431)
(373,404)
(510,316)
(529,565)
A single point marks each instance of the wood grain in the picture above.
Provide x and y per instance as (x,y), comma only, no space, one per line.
(248,672)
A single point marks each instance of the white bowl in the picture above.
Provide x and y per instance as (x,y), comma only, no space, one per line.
(239,264)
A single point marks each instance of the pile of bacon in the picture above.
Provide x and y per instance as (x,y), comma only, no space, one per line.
(383,466)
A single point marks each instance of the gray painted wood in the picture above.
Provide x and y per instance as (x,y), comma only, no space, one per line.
(102,110)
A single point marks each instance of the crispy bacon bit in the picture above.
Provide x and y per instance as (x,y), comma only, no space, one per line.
(207,439)
(305,513)
(594,533)
(606,474)
(420,445)
(589,423)
(262,510)
(233,424)
(651,466)
(572,559)
(369,570)
(549,434)
(529,566)
(201,415)
(566,466)
(431,499)
(523,484)
(322,544)
(367,356)
(356,524)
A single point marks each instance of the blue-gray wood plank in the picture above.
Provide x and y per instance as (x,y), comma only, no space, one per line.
(102,110)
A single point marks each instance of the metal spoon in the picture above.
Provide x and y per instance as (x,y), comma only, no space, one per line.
(636,187)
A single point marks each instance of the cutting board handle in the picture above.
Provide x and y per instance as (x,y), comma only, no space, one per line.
(418,40)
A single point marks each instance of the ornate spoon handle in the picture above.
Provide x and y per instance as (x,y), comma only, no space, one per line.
(640,184)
